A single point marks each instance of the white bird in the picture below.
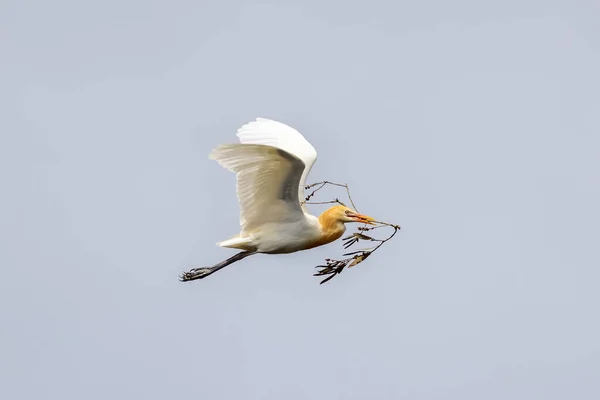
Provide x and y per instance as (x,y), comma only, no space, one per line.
(271,165)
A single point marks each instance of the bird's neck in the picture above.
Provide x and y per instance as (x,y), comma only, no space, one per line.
(330,229)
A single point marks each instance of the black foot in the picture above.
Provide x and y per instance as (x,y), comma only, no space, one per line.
(196,273)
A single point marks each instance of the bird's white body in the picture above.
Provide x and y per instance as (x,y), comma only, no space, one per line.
(272,163)
(282,237)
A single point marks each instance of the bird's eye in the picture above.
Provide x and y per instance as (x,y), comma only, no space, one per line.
(348,212)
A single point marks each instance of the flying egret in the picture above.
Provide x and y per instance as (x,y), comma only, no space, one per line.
(271,165)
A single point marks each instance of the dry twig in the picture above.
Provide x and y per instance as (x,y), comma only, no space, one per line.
(321,185)
(335,267)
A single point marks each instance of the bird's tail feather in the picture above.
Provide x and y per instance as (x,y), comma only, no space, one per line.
(237,242)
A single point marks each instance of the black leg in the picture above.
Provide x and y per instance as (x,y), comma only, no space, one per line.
(199,273)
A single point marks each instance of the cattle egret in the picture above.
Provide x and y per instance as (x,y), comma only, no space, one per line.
(271,164)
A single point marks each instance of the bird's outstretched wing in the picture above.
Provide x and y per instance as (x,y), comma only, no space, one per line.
(267,182)
(284,137)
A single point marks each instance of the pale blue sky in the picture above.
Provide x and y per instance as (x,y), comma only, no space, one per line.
(477,124)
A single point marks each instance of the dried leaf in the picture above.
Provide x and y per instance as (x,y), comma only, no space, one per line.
(357,260)
(357,252)
(327,279)
(350,243)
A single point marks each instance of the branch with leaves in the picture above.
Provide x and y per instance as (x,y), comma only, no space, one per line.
(335,267)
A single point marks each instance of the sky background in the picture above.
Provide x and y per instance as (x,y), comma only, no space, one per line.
(474,125)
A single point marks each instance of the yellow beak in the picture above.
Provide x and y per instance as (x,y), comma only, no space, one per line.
(364,218)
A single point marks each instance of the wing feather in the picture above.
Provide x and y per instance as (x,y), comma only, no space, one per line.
(273,133)
(267,182)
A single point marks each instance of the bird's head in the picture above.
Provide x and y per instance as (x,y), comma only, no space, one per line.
(345,214)
(333,222)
